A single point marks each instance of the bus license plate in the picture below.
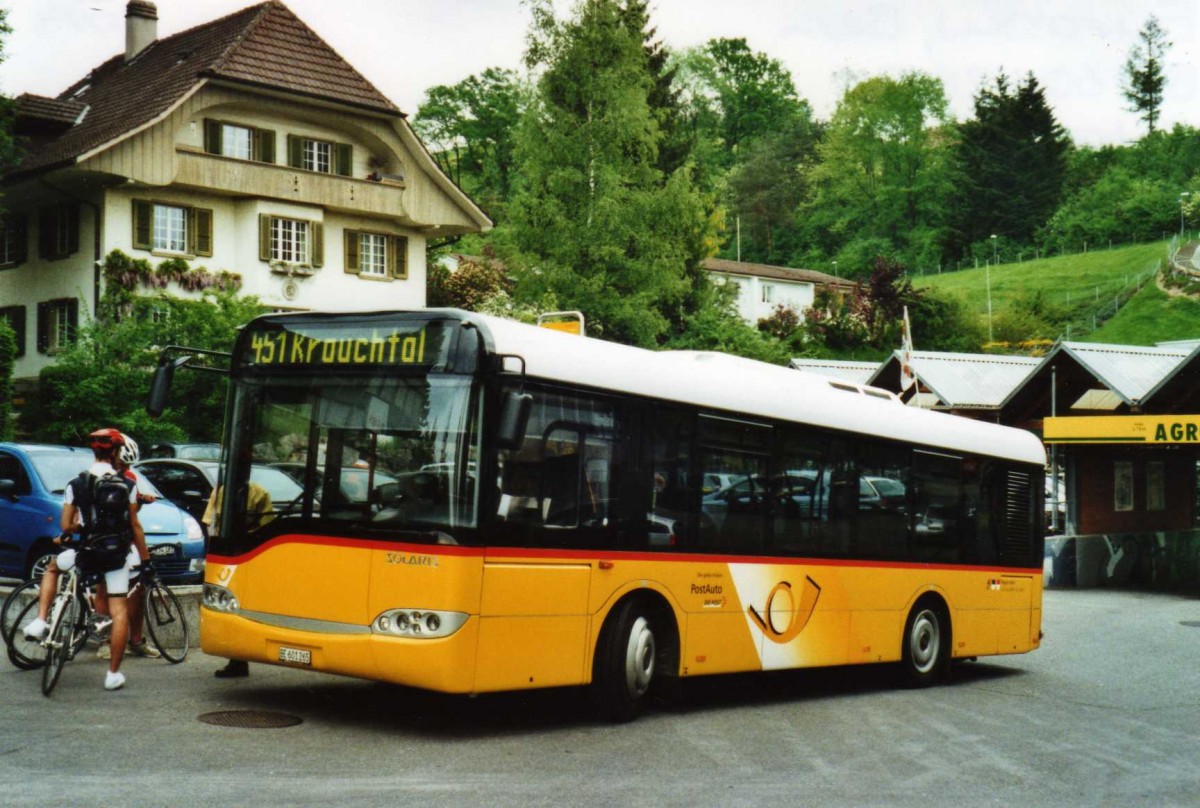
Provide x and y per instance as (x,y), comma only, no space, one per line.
(295,656)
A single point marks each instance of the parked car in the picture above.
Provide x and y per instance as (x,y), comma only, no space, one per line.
(32,481)
(189,483)
(881,494)
(186,451)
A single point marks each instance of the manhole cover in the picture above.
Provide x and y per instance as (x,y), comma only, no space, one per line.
(1190,623)
(250,719)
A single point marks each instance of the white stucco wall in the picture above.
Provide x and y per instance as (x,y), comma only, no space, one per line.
(750,304)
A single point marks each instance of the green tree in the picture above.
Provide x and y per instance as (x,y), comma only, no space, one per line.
(101,381)
(1011,162)
(597,225)
(764,189)
(8,358)
(883,173)
(472,129)
(8,144)
(1144,77)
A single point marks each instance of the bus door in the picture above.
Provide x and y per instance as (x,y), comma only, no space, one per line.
(723,633)
(553,513)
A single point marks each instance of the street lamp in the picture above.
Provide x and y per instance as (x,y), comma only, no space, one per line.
(1181,201)
(835,262)
(993,248)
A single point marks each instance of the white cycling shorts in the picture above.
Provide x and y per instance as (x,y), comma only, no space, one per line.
(115,581)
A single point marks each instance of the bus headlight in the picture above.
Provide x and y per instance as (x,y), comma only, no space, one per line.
(220,599)
(418,623)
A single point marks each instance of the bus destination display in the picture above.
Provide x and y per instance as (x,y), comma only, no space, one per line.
(309,345)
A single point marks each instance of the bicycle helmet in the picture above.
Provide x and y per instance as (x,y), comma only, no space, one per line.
(128,453)
(106,438)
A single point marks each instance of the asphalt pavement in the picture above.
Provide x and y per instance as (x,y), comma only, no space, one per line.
(1106,713)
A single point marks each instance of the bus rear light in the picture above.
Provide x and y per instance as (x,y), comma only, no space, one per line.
(418,623)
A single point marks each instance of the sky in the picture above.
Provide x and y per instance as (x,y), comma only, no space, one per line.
(1075,48)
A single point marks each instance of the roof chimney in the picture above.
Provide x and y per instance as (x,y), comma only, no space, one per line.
(141,27)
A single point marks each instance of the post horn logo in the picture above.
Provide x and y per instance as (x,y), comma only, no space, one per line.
(810,592)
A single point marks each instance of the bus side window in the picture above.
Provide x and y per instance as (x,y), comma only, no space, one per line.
(800,493)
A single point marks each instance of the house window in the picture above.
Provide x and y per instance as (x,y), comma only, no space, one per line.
(322,156)
(15,317)
(316,155)
(768,293)
(376,255)
(172,228)
(290,241)
(238,141)
(57,322)
(58,234)
(12,240)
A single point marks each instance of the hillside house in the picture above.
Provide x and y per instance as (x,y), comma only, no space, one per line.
(246,145)
(762,287)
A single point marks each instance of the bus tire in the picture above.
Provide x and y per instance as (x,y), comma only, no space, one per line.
(627,663)
(925,649)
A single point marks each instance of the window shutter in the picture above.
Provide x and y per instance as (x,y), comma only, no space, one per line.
(265,145)
(264,237)
(143,230)
(16,320)
(71,214)
(351,237)
(295,151)
(317,247)
(212,136)
(72,320)
(47,224)
(43,328)
(344,160)
(21,251)
(202,226)
(399,257)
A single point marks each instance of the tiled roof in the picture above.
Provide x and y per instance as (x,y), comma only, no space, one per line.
(773,272)
(264,44)
(49,109)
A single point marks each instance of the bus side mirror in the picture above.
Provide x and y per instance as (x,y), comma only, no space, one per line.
(514,417)
(160,387)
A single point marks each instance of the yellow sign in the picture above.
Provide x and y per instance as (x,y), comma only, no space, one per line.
(569,326)
(1145,429)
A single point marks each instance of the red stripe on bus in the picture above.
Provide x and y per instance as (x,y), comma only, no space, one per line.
(597,555)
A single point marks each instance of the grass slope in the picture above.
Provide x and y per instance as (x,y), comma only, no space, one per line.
(1076,287)
(1151,316)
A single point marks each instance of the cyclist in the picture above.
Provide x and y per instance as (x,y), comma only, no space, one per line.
(127,455)
(105,444)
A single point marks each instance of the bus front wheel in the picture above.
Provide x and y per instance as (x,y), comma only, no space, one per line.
(626,664)
(926,647)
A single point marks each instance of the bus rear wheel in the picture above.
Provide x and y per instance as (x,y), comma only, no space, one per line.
(626,665)
(925,654)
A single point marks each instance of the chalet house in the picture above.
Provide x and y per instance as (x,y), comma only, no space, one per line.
(762,287)
(245,145)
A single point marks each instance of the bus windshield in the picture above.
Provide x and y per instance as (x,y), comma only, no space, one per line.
(372,455)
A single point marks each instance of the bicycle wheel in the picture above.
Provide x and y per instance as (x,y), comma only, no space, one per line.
(166,623)
(20,607)
(62,635)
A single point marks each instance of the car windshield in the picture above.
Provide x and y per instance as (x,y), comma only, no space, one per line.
(888,487)
(56,469)
(278,485)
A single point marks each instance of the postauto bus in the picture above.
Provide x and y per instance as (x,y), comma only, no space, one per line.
(532,514)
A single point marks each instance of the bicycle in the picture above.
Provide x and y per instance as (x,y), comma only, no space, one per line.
(73,621)
(19,609)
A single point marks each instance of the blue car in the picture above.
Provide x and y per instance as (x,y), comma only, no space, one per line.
(32,481)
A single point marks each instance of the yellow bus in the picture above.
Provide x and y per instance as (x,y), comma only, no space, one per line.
(482,505)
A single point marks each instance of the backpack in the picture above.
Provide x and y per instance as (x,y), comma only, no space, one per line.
(107,534)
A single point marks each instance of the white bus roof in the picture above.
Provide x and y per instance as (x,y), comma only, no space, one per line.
(722,382)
